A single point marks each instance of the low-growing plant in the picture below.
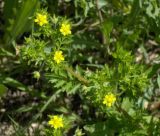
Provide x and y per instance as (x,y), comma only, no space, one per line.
(82,70)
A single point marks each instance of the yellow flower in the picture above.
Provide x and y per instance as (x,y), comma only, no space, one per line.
(65,29)
(109,99)
(58,57)
(55,121)
(41,19)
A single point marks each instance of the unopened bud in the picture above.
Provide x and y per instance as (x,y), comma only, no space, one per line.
(36,75)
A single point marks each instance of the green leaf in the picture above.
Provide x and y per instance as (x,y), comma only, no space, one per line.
(60,83)
(62,110)
(9,8)
(107,27)
(135,11)
(100,129)
(14,83)
(3,90)
(6,53)
(20,19)
(152,10)
(24,109)
(126,104)
(75,88)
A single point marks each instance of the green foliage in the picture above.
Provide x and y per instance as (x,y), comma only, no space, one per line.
(120,79)
(74,54)
(63,82)
(16,15)
(3,90)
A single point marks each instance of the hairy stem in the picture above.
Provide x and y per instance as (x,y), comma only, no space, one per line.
(77,75)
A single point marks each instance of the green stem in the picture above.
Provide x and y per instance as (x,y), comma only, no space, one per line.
(77,75)
(57,132)
(101,20)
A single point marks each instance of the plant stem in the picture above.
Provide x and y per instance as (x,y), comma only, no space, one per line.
(77,75)
(101,21)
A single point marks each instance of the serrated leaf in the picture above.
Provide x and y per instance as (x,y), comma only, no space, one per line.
(68,86)
(73,91)
(60,84)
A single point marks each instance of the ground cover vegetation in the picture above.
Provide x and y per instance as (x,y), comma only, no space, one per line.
(79,67)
